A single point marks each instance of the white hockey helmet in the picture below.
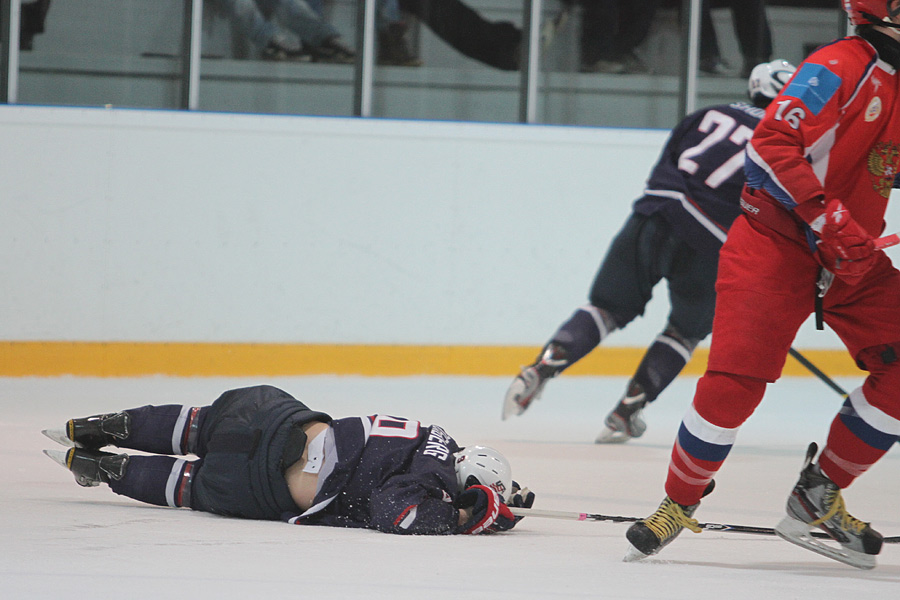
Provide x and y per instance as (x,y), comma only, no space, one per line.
(767,79)
(480,465)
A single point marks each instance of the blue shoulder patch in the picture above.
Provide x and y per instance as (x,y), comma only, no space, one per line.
(814,85)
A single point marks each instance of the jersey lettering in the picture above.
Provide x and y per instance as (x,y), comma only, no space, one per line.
(718,127)
(793,116)
(384,426)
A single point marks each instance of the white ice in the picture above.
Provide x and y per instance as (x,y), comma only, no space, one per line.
(58,540)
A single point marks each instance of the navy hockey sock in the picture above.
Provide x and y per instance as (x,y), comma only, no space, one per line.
(160,480)
(662,363)
(167,429)
(583,332)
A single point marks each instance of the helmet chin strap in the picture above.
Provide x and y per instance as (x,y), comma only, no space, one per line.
(892,13)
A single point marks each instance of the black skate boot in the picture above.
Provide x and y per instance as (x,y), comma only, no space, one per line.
(816,501)
(92,432)
(650,535)
(626,421)
(91,467)
(529,384)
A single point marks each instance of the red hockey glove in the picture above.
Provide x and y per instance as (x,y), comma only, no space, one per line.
(489,513)
(844,247)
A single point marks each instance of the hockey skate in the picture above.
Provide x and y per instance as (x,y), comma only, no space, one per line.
(816,502)
(529,384)
(648,536)
(91,467)
(626,420)
(92,432)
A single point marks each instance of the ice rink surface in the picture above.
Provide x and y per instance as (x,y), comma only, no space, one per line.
(62,541)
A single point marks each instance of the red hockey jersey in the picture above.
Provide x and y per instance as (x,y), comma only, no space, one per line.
(834,127)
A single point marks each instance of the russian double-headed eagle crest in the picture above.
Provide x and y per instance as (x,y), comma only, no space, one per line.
(882,165)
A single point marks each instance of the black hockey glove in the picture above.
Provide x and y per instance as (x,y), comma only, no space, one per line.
(520,497)
(489,513)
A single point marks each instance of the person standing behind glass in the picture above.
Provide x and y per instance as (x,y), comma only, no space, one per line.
(261,21)
(611,30)
(751,25)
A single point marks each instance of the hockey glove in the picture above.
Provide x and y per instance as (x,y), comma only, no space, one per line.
(520,497)
(489,513)
(844,247)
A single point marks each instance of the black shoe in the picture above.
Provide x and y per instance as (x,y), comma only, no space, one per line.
(281,47)
(333,50)
(93,432)
(91,467)
(716,67)
(393,48)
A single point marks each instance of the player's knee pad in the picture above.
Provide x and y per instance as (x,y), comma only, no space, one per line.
(727,400)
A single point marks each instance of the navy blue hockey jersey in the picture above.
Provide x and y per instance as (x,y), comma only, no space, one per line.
(696,183)
(390,474)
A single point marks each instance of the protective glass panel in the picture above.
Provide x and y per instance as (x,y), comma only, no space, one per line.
(95,53)
(620,64)
(448,59)
(279,56)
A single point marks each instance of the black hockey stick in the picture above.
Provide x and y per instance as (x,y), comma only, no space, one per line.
(818,373)
(577,516)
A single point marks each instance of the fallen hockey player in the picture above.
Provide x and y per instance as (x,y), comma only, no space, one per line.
(263,454)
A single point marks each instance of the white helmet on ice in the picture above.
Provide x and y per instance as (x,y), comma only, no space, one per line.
(480,465)
(767,79)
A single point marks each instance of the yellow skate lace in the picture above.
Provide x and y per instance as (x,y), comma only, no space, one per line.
(848,522)
(668,520)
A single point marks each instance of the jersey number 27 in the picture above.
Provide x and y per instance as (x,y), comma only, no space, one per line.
(718,127)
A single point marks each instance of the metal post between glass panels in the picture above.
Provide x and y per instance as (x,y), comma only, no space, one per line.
(531,51)
(365,59)
(10,14)
(690,37)
(190,54)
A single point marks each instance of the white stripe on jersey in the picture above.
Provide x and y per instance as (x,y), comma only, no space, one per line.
(409,518)
(757,160)
(692,210)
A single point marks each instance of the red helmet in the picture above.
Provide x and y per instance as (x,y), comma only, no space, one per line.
(870,11)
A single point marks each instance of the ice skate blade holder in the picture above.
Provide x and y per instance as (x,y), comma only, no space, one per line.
(799,533)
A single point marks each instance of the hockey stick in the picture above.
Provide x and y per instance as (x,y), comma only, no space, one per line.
(815,371)
(577,516)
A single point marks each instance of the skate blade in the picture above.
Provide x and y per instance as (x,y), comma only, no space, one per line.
(511,406)
(59,436)
(611,436)
(633,554)
(797,532)
(59,457)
